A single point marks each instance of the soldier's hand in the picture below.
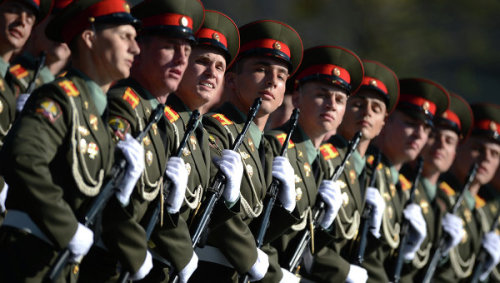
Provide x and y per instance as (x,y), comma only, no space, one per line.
(3,197)
(188,270)
(21,101)
(374,198)
(283,171)
(178,174)
(453,226)
(332,196)
(231,165)
(80,244)
(417,231)
(356,274)
(491,242)
(134,154)
(259,268)
(289,277)
(146,266)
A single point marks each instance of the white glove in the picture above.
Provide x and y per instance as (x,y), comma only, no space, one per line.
(330,193)
(289,277)
(376,200)
(491,243)
(178,174)
(146,266)
(188,270)
(259,268)
(21,101)
(356,274)
(453,226)
(231,165)
(283,171)
(134,154)
(3,197)
(417,231)
(80,244)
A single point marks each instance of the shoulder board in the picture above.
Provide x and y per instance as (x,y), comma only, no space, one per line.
(171,115)
(2,85)
(131,97)
(405,184)
(328,151)
(222,119)
(18,71)
(62,75)
(480,202)
(69,87)
(370,159)
(447,189)
(282,137)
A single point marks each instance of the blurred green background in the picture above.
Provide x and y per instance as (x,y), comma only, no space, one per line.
(456,43)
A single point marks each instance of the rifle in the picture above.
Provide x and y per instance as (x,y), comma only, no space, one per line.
(215,191)
(106,193)
(293,264)
(191,126)
(366,216)
(483,254)
(273,189)
(403,235)
(446,238)
(41,63)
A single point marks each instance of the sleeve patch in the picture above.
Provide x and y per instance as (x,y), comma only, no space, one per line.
(405,184)
(119,126)
(69,87)
(222,119)
(282,137)
(131,97)
(447,189)
(171,114)
(49,109)
(328,151)
(18,71)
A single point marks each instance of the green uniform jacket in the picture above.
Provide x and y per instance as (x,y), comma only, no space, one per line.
(458,266)
(23,69)
(233,236)
(332,263)
(7,116)
(55,160)
(379,258)
(414,270)
(285,228)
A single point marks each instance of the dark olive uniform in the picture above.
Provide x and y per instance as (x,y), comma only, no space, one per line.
(286,227)
(23,70)
(55,160)
(458,266)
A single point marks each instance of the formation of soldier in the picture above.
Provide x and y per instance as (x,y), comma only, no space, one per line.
(173,145)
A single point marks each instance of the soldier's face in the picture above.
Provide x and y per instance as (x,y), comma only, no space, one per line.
(162,63)
(440,150)
(258,77)
(16,22)
(322,107)
(365,112)
(403,137)
(203,79)
(485,151)
(115,48)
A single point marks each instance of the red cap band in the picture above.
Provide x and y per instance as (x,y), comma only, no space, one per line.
(168,19)
(212,34)
(266,43)
(449,115)
(60,4)
(326,69)
(369,81)
(487,125)
(37,2)
(419,101)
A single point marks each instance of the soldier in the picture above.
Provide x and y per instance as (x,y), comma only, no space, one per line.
(59,153)
(404,135)
(165,41)
(18,18)
(483,147)
(55,58)
(450,129)
(366,111)
(269,52)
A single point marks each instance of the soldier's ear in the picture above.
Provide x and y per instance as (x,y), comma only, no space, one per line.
(88,37)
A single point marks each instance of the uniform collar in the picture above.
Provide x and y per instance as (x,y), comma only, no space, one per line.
(358,161)
(394,174)
(429,188)
(469,200)
(254,131)
(4,66)
(96,93)
(311,151)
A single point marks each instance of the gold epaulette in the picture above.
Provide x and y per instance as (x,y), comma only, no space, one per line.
(405,184)
(480,202)
(18,71)
(281,138)
(447,189)
(328,151)
(222,119)
(171,114)
(131,97)
(69,87)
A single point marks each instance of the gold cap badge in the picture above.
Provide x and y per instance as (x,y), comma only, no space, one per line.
(277,45)
(336,72)
(183,22)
